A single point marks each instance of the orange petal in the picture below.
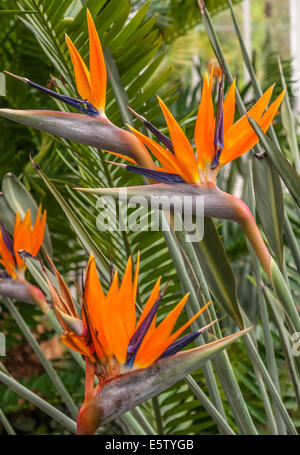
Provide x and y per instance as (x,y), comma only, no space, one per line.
(136,276)
(236,132)
(127,302)
(38,231)
(229,108)
(249,138)
(22,236)
(150,302)
(95,301)
(122,156)
(77,343)
(153,346)
(175,335)
(205,126)
(182,148)
(82,75)
(167,159)
(114,329)
(97,66)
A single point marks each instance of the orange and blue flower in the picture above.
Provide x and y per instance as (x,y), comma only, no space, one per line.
(25,237)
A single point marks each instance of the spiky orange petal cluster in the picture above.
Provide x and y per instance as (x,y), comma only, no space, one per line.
(239,137)
(91,84)
(25,237)
(110,321)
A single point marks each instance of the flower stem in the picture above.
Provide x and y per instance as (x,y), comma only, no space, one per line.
(57,415)
(41,356)
(245,219)
(6,423)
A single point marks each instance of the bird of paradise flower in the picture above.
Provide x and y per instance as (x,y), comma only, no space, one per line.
(25,236)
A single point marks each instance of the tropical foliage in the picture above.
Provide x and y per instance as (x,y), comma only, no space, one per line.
(236,380)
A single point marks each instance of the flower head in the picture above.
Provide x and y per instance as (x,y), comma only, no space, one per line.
(218,139)
(25,236)
(91,84)
(108,333)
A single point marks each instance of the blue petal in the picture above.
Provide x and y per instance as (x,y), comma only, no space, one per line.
(139,335)
(180,344)
(160,136)
(7,239)
(74,102)
(164,177)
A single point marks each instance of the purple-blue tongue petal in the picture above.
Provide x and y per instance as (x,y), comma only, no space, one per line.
(218,137)
(160,136)
(139,335)
(74,102)
(7,239)
(164,177)
(184,341)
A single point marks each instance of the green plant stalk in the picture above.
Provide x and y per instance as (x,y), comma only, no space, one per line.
(245,219)
(284,295)
(270,354)
(285,339)
(266,401)
(195,307)
(290,127)
(42,358)
(217,417)
(143,422)
(221,361)
(292,241)
(137,428)
(272,389)
(6,423)
(57,415)
(158,417)
(269,347)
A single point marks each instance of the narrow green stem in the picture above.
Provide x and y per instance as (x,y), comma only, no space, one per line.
(43,359)
(221,361)
(286,342)
(57,415)
(276,424)
(234,394)
(213,412)
(6,423)
(270,355)
(292,241)
(158,416)
(143,422)
(272,389)
(133,424)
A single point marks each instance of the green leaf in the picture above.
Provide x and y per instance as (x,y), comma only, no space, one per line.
(288,122)
(217,271)
(269,203)
(77,226)
(8,217)
(282,165)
